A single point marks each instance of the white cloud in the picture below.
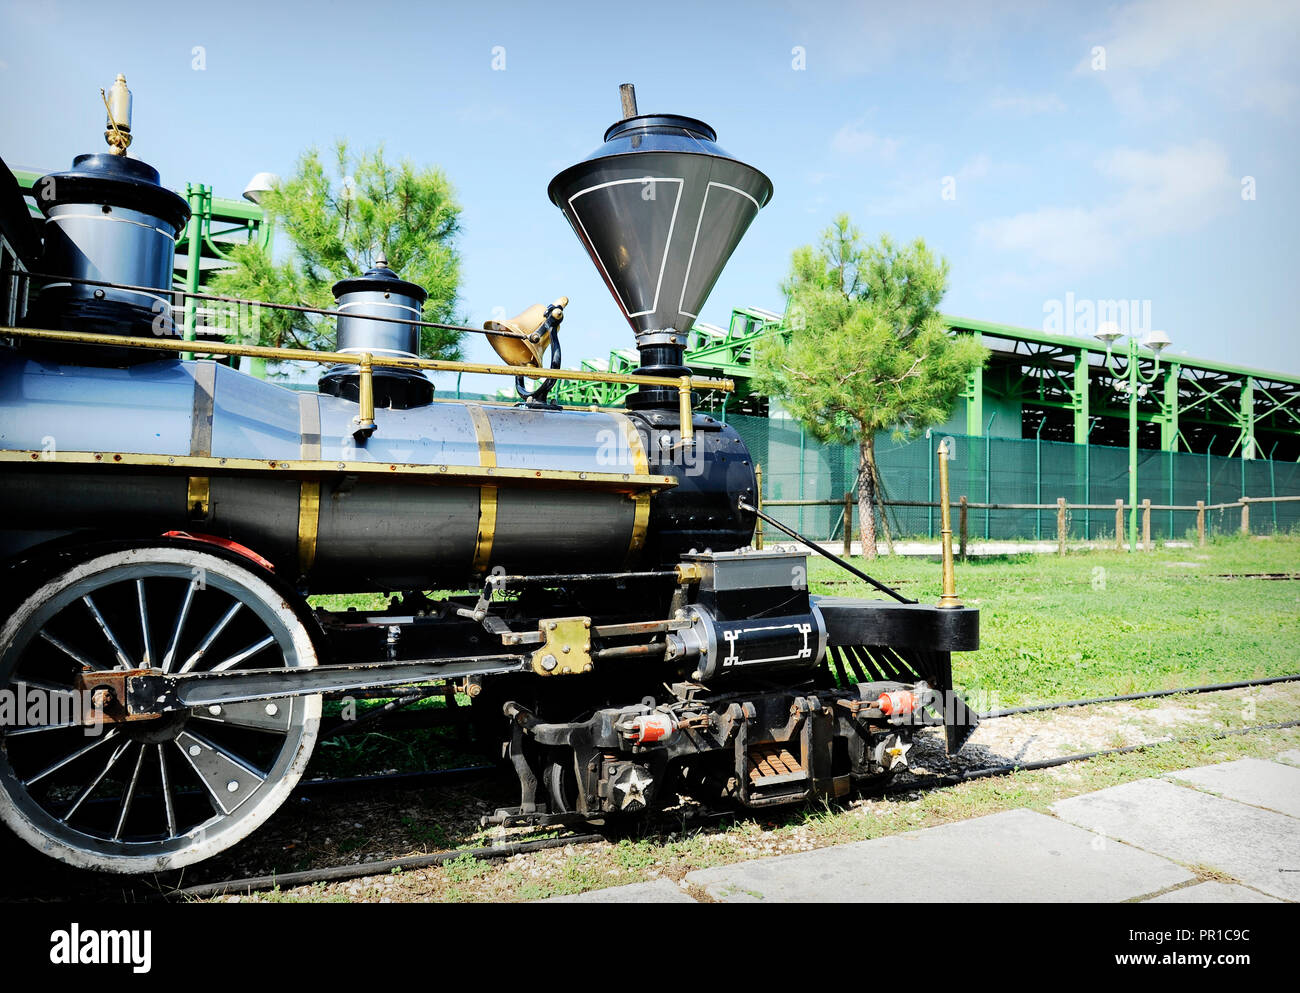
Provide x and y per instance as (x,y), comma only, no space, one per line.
(952,39)
(1240,50)
(919,182)
(976,167)
(1026,104)
(854,141)
(1177,190)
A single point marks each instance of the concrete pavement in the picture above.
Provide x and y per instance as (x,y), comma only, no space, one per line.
(1227,833)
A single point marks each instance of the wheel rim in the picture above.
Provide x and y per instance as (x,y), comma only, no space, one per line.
(148,795)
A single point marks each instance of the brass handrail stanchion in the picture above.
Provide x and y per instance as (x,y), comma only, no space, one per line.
(365,419)
(684,410)
(949,595)
(758,499)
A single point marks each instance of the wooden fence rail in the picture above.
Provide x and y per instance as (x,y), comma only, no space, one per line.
(1062,508)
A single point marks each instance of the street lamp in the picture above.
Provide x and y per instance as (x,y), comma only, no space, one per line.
(1131,381)
(260,185)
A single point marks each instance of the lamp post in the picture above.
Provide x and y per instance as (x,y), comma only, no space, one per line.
(1131,381)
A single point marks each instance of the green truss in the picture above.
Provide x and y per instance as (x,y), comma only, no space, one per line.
(1194,401)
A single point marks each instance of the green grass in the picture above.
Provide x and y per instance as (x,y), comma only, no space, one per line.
(1101,623)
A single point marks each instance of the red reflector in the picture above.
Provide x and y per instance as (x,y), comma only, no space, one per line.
(898,702)
(652,727)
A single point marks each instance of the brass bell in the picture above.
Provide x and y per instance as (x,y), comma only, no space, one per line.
(512,340)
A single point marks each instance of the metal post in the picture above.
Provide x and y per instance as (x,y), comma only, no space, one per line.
(929,496)
(758,498)
(1060,525)
(948,598)
(1087,483)
(195,194)
(988,472)
(1272,483)
(1146,525)
(1132,444)
(803,493)
(1200,523)
(963,528)
(848,523)
(1038,478)
(1170,456)
(1208,497)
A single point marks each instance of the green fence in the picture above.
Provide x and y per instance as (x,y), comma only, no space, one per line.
(1010,470)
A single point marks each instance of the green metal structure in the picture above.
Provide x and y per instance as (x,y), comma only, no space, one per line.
(1044,386)
(727,352)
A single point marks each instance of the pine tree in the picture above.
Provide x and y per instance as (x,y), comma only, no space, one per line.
(337,226)
(867,350)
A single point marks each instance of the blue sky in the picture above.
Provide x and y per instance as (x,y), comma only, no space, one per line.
(1122,182)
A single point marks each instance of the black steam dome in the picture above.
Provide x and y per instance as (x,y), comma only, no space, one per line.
(660,207)
(379,292)
(108,219)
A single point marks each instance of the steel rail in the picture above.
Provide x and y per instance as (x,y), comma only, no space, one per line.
(380,868)
(952,779)
(1208,688)
(388,866)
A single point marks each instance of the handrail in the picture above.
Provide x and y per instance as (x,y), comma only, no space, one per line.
(365,362)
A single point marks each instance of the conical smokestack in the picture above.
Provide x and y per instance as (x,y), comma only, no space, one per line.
(660,208)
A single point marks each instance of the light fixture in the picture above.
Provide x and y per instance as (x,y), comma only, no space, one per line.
(259,185)
(1108,333)
(1158,341)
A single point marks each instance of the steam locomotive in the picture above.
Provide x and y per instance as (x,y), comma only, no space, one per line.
(164,518)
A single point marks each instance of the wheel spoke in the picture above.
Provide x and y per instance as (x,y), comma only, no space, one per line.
(229,779)
(247,653)
(168,803)
(53,709)
(129,797)
(170,657)
(146,639)
(38,728)
(68,759)
(94,783)
(123,660)
(212,636)
(85,663)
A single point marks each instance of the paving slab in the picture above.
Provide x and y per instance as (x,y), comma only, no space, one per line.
(1013,856)
(1252,781)
(1212,893)
(656,891)
(1293,757)
(1252,845)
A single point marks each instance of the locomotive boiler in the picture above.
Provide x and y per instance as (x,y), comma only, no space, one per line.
(163,520)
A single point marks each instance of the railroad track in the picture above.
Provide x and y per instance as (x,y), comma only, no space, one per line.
(920,784)
(156,889)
